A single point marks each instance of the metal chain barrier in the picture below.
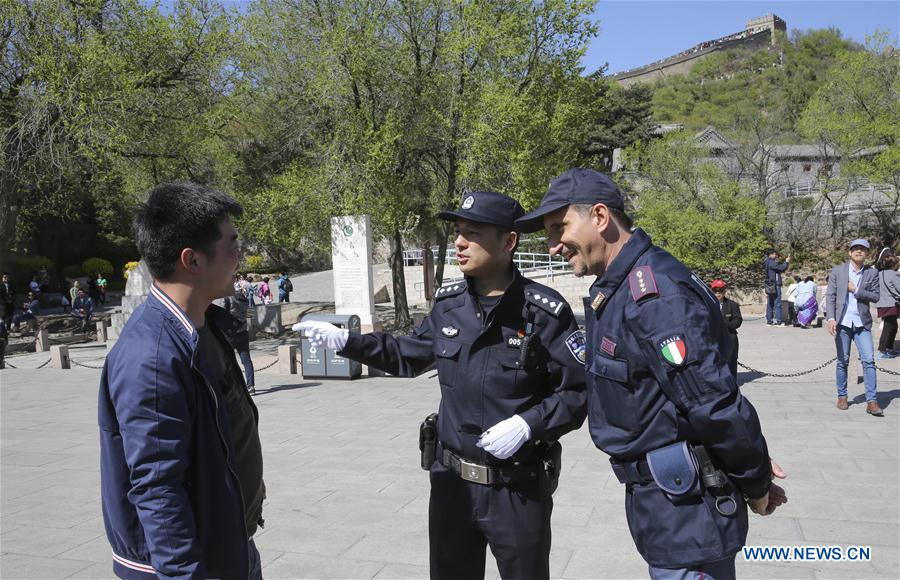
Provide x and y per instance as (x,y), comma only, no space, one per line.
(787,375)
(43,364)
(10,365)
(268,366)
(85,365)
(895,373)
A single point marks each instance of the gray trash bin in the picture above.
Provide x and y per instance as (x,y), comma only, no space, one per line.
(323,362)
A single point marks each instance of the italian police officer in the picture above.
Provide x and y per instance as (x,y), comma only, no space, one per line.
(662,401)
(510,362)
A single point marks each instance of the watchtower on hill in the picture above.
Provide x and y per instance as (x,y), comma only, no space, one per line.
(758,34)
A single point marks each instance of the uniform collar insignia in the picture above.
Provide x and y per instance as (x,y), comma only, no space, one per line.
(598,301)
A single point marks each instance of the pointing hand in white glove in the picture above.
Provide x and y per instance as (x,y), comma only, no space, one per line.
(320,333)
(505,438)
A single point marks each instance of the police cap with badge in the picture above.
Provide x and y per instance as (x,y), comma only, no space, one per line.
(487,207)
(575,186)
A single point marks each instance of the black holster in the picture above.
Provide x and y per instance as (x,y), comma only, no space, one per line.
(550,465)
(428,440)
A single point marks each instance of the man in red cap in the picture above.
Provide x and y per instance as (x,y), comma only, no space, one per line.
(731,312)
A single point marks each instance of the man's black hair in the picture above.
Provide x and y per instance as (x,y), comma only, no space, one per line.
(770,251)
(178,216)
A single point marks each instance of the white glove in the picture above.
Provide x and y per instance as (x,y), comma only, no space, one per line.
(320,333)
(505,438)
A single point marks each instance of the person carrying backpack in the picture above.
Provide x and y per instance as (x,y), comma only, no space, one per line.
(285,287)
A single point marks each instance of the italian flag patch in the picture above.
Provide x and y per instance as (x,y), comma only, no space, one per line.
(673,350)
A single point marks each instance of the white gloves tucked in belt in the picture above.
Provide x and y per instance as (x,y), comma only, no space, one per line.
(505,438)
(320,333)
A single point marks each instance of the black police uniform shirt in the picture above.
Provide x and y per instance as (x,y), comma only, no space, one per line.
(477,356)
(657,374)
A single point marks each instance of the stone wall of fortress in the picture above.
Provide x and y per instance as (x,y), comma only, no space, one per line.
(682,64)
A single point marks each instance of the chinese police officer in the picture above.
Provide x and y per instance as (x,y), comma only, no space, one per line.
(661,399)
(510,362)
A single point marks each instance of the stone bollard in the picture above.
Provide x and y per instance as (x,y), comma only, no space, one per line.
(42,340)
(287,359)
(101,331)
(59,356)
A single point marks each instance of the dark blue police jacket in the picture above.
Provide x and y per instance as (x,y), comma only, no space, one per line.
(171,501)
(658,374)
(481,380)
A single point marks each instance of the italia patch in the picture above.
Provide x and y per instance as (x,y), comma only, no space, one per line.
(450,331)
(673,349)
(576,344)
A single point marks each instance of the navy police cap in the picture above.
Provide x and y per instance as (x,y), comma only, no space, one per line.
(487,207)
(574,186)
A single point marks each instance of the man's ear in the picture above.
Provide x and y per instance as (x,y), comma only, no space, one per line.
(191,260)
(601,216)
(511,239)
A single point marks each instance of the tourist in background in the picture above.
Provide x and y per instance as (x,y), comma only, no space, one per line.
(806,302)
(7,298)
(731,312)
(285,287)
(30,308)
(265,293)
(791,297)
(83,310)
(888,306)
(102,284)
(773,271)
(852,286)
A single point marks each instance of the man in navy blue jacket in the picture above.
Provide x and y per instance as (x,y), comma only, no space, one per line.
(181,461)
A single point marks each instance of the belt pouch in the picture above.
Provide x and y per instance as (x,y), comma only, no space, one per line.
(674,470)
(428,440)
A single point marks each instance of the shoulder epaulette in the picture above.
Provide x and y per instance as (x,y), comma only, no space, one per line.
(450,290)
(642,283)
(552,304)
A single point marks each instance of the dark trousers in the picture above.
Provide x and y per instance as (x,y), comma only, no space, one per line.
(8,312)
(888,333)
(773,306)
(464,518)
(732,354)
(248,367)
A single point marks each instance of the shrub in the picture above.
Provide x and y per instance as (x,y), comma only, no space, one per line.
(92,266)
(127,268)
(254,263)
(73,271)
(31,264)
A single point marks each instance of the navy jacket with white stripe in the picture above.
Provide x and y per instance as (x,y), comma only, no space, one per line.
(171,501)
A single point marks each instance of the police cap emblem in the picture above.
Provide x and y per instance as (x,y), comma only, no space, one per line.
(468,202)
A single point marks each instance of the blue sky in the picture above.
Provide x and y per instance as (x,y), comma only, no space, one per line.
(637,32)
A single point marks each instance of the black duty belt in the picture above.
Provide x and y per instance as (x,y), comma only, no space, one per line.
(637,471)
(484,474)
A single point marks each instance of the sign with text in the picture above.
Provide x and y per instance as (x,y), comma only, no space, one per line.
(351,255)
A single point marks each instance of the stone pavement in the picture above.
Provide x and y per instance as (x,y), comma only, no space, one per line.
(348,500)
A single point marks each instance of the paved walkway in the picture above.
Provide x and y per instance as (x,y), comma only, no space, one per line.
(347,499)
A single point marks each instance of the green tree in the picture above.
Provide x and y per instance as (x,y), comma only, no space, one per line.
(104,98)
(694,210)
(855,109)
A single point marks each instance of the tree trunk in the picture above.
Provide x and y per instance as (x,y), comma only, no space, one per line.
(401,306)
(442,254)
(9,211)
